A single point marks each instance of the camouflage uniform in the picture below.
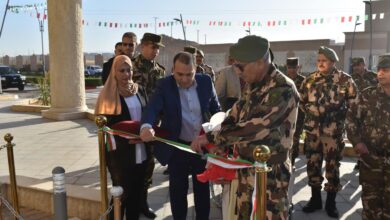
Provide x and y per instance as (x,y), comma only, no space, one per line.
(146,73)
(368,122)
(367,80)
(265,114)
(325,99)
(299,125)
(208,70)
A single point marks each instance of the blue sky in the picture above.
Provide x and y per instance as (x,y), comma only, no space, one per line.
(21,33)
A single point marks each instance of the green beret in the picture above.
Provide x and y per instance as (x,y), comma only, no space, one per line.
(357,61)
(292,61)
(384,61)
(190,49)
(152,38)
(200,52)
(249,49)
(329,53)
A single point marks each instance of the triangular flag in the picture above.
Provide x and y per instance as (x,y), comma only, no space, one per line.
(382,15)
(44,16)
(110,24)
(210,23)
(366,17)
(243,24)
(258,23)
(342,19)
(303,21)
(38,15)
(349,18)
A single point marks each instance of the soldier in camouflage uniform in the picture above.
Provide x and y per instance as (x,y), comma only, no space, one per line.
(200,62)
(193,50)
(363,78)
(265,114)
(326,96)
(368,126)
(293,73)
(146,73)
(146,69)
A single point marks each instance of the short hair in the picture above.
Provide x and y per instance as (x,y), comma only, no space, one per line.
(185,58)
(130,35)
(118,44)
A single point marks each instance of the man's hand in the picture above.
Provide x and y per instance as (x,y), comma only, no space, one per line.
(361,148)
(147,134)
(198,143)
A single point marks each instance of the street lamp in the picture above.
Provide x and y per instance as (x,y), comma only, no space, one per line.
(353,39)
(1,30)
(370,19)
(182,25)
(41,29)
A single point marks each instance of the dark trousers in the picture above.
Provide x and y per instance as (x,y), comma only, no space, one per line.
(181,165)
(130,176)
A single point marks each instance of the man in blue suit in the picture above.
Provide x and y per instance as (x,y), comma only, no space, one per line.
(186,100)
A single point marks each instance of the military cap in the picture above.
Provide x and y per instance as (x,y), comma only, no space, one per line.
(249,48)
(200,52)
(357,60)
(292,61)
(153,38)
(329,53)
(384,61)
(190,49)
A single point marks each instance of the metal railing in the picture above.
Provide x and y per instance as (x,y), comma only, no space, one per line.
(11,165)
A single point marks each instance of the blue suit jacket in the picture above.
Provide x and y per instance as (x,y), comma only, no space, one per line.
(166,100)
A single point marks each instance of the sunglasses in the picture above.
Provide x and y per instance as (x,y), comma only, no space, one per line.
(128,44)
(127,70)
(241,67)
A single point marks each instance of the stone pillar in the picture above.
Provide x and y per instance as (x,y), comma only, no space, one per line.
(66,60)
(33,63)
(99,60)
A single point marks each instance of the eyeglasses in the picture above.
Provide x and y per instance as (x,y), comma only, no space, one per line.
(127,70)
(128,44)
(239,66)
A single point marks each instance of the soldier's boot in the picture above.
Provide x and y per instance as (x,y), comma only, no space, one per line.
(330,205)
(315,202)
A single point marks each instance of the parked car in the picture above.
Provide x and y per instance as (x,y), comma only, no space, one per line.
(87,73)
(11,78)
(95,70)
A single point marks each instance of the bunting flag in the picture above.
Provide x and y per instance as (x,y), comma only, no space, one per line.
(269,23)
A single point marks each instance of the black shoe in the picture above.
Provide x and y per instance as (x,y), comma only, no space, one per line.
(166,172)
(149,213)
(315,202)
(330,205)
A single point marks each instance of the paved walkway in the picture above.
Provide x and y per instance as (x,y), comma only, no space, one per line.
(42,144)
